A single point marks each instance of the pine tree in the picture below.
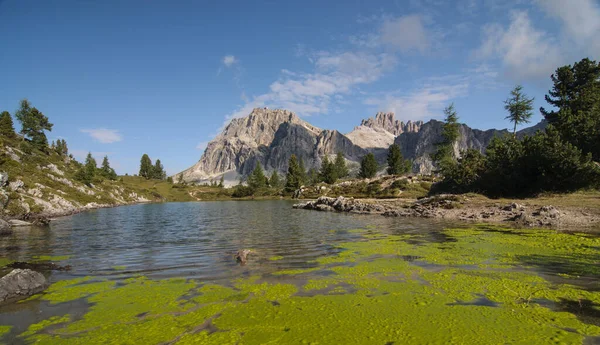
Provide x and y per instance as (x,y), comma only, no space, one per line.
(341,170)
(158,171)
(33,124)
(274,181)
(293,176)
(519,107)
(328,171)
(396,163)
(222,182)
(576,95)
(313,176)
(302,171)
(87,172)
(444,157)
(6,125)
(257,178)
(368,166)
(146,167)
(61,147)
(106,171)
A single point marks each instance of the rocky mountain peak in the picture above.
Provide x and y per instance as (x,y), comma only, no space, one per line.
(387,122)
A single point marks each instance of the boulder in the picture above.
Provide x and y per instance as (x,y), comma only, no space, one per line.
(16,222)
(19,284)
(5,228)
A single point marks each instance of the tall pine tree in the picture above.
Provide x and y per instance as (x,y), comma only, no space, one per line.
(274,181)
(257,178)
(146,167)
(445,157)
(33,124)
(328,172)
(158,171)
(368,166)
(341,170)
(106,171)
(396,163)
(519,107)
(293,178)
(6,125)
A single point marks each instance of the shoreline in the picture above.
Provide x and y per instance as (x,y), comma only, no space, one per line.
(529,213)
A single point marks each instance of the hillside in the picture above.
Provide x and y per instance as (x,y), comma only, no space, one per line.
(36,183)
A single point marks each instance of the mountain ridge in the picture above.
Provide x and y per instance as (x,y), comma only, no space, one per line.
(271,136)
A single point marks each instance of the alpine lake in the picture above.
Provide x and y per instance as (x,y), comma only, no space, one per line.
(166,274)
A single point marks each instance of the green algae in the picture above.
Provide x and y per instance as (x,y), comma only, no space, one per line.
(51,258)
(119,268)
(36,327)
(276,258)
(4,330)
(482,285)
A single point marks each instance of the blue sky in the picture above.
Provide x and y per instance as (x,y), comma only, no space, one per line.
(127,77)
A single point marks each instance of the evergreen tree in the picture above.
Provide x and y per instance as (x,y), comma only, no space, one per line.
(368,166)
(61,147)
(519,107)
(33,123)
(396,163)
(328,171)
(274,181)
(86,173)
(146,167)
(158,171)
(293,177)
(106,171)
(222,182)
(6,125)
(53,145)
(302,171)
(313,176)
(341,170)
(445,157)
(257,178)
(576,94)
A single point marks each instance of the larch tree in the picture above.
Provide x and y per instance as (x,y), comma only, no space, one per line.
(519,107)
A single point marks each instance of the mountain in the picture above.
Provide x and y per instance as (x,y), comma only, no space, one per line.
(270,137)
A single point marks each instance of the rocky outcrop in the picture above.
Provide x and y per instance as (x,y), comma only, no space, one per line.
(341,204)
(5,228)
(387,122)
(19,284)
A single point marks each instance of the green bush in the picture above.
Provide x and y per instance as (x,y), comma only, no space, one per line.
(400,184)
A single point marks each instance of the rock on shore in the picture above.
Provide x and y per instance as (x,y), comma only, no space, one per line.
(19,284)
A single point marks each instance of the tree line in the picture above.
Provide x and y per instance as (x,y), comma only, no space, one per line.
(564,157)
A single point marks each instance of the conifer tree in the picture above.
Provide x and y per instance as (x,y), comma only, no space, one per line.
(519,107)
(33,124)
(222,182)
(106,171)
(274,181)
(146,167)
(444,157)
(302,171)
(328,171)
(368,166)
(313,176)
(6,125)
(293,176)
(341,170)
(257,178)
(396,163)
(86,173)
(158,171)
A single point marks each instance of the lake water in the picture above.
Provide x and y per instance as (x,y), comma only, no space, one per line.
(338,262)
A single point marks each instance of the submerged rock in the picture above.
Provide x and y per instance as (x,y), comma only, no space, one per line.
(19,284)
(242,256)
(16,222)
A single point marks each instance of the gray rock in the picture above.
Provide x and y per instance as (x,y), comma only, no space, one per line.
(16,222)
(15,186)
(19,284)
(5,228)
(3,179)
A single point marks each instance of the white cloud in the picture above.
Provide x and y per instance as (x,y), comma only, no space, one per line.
(313,93)
(426,102)
(103,135)
(525,52)
(580,19)
(406,34)
(229,60)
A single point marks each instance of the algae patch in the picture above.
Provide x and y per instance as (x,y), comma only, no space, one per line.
(482,284)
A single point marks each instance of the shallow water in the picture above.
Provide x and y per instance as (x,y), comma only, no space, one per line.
(344,270)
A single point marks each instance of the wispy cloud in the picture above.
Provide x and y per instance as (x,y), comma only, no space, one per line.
(104,135)
(406,34)
(229,60)
(313,93)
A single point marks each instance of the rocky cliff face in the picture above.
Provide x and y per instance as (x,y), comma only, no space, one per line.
(270,137)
